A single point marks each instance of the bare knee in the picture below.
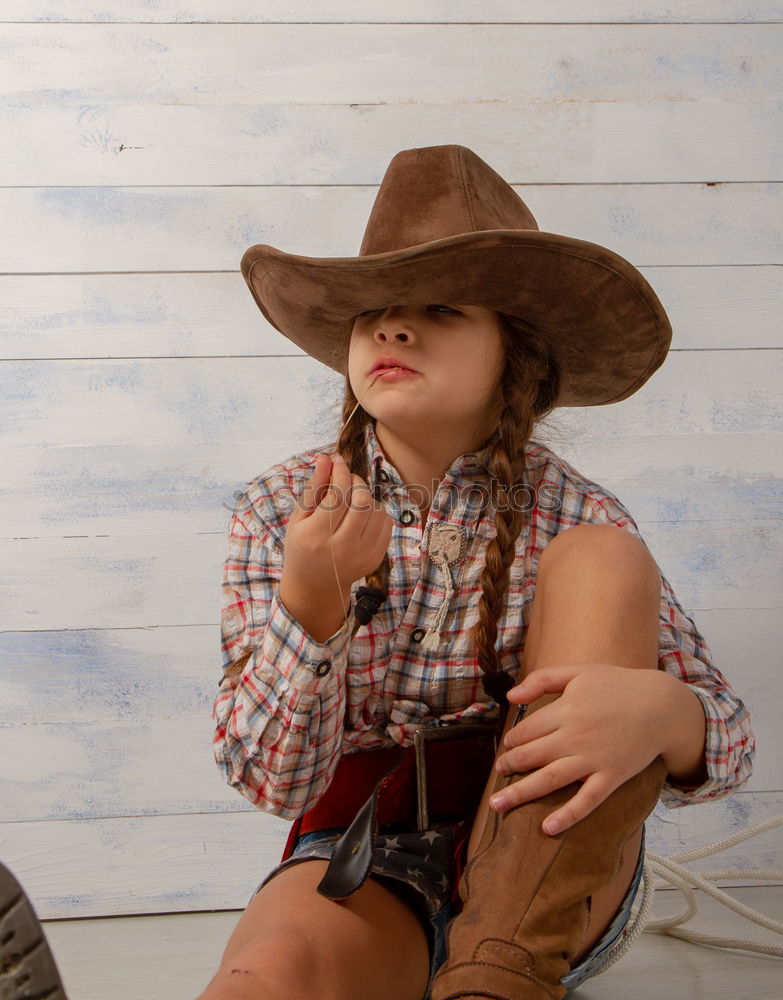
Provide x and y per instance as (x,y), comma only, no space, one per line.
(608,540)
(603,547)
(293,944)
(598,597)
(286,963)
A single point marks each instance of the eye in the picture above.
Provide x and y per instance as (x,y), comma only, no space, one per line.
(445,310)
(367,312)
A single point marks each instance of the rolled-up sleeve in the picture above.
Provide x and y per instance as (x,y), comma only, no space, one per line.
(683,652)
(281,702)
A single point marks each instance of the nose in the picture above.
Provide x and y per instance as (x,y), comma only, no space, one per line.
(393,325)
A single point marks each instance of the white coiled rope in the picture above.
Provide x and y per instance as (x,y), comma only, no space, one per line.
(659,872)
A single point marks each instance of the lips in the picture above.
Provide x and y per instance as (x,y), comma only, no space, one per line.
(387,363)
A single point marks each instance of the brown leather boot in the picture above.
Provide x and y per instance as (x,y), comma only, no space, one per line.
(527,895)
(27,966)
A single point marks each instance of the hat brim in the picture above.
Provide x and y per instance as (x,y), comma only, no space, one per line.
(606,323)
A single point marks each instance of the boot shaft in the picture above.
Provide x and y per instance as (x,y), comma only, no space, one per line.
(526,895)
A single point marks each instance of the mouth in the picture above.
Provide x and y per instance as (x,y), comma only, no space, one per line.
(388,374)
(388,366)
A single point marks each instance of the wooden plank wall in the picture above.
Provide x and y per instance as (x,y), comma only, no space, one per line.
(144,147)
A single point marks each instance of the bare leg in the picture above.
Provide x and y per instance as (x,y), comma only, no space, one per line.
(291,943)
(597,598)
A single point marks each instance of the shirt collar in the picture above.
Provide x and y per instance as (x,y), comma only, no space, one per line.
(472,465)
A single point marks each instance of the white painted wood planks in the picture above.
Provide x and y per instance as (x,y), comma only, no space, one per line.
(384,12)
(143,141)
(207,64)
(72,229)
(141,148)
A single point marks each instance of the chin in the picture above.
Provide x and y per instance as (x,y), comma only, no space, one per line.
(404,424)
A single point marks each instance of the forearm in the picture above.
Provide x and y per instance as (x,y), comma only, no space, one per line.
(684,751)
(320,612)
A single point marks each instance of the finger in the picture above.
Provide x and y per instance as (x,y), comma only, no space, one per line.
(591,794)
(341,475)
(316,485)
(377,527)
(348,505)
(541,723)
(331,508)
(531,755)
(343,481)
(361,500)
(377,534)
(556,774)
(544,680)
(363,510)
(333,501)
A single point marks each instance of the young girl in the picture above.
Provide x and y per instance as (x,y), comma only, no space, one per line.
(393,597)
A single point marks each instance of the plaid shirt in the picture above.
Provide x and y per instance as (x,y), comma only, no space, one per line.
(299,704)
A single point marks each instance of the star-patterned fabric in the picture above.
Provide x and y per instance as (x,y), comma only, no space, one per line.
(423,860)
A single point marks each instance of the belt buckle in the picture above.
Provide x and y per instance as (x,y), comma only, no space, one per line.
(436,730)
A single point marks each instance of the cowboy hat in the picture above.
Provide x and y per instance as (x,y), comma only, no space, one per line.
(446,228)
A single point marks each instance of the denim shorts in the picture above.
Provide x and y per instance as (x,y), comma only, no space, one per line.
(414,865)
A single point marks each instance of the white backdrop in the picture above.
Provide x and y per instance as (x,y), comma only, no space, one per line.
(145,145)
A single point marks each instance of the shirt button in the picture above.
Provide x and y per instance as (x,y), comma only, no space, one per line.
(323,668)
(407,517)
(383,476)
(417,634)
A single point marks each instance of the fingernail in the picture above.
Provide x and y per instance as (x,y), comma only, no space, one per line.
(498,801)
(339,458)
(551,826)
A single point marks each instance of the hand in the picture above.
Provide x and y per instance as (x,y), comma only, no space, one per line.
(609,723)
(336,524)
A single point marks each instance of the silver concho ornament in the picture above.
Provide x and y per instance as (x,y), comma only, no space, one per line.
(446,543)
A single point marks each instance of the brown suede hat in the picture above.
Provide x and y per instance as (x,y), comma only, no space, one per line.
(446,228)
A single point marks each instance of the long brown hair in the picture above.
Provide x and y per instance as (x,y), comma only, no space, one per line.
(529,387)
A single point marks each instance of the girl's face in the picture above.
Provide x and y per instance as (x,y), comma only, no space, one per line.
(452,358)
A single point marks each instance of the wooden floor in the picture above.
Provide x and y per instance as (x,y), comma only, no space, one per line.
(173,957)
